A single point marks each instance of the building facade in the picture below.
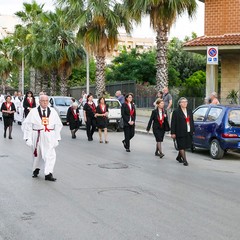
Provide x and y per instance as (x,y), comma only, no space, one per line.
(222,30)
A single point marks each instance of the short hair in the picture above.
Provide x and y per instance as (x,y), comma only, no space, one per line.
(181,99)
(75,104)
(89,95)
(8,96)
(158,101)
(214,94)
(41,96)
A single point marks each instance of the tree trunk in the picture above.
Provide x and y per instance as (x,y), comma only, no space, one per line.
(53,82)
(162,67)
(3,85)
(100,76)
(38,82)
(32,80)
(45,78)
(20,78)
(63,83)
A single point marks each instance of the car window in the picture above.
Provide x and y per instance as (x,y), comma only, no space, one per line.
(213,114)
(199,114)
(113,104)
(63,101)
(234,117)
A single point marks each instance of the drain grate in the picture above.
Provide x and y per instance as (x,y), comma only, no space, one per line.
(113,166)
(3,156)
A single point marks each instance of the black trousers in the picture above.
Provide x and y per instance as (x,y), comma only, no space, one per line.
(129,132)
(91,127)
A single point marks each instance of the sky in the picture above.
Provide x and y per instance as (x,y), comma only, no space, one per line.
(183,26)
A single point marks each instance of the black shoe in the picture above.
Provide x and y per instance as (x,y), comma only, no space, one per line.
(185,163)
(124,144)
(5,135)
(90,139)
(128,150)
(179,159)
(50,177)
(35,173)
(157,154)
(10,137)
(161,155)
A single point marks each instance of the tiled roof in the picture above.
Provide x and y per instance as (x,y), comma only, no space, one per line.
(226,39)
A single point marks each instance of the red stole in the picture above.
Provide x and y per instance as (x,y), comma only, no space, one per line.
(131,110)
(75,115)
(8,108)
(93,107)
(30,102)
(161,121)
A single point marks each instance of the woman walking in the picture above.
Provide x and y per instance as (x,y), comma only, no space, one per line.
(182,129)
(89,111)
(160,125)
(28,103)
(102,119)
(129,115)
(8,109)
(73,119)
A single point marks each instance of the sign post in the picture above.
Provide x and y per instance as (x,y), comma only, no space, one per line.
(212,59)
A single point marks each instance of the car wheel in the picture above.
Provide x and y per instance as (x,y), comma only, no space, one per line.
(216,151)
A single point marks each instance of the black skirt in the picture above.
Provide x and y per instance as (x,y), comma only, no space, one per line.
(158,134)
(102,122)
(184,142)
(8,121)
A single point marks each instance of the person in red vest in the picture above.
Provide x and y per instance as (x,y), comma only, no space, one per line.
(160,125)
(73,119)
(102,119)
(28,103)
(128,111)
(8,109)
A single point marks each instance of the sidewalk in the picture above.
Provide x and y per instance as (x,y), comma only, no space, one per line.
(142,119)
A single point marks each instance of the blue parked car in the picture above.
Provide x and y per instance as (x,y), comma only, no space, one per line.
(217,128)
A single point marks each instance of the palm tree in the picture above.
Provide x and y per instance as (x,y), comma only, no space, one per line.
(163,14)
(97,23)
(6,63)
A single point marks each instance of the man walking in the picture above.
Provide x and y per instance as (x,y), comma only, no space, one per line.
(41,131)
(167,98)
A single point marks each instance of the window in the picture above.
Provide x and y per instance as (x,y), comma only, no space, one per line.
(213,114)
(63,101)
(234,117)
(113,104)
(199,115)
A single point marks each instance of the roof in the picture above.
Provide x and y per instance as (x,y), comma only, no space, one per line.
(226,40)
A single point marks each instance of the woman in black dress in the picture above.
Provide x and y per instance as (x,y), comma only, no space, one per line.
(28,103)
(8,109)
(73,119)
(102,118)
(89,111)
(129,115)
(160,125)
(182,129)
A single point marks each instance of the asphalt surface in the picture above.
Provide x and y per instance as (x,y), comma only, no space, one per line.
(105,193)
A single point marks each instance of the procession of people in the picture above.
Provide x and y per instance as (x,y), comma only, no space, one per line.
(41,125)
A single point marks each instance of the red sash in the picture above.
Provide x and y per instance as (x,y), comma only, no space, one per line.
(161,121)
(75,115)
(8,108)
(93,107)
(131,110)
(30,102)
(187,119)
(103,110)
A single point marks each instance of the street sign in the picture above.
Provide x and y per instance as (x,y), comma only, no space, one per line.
(212,55)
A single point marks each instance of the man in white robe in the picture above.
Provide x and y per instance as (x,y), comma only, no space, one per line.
(41,130)
(18,102)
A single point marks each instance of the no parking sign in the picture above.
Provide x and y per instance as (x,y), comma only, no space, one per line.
(212,55)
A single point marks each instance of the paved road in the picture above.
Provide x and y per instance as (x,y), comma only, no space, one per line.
(104,193)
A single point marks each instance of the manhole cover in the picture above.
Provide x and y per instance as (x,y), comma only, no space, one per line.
(2,156)
(113,165)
